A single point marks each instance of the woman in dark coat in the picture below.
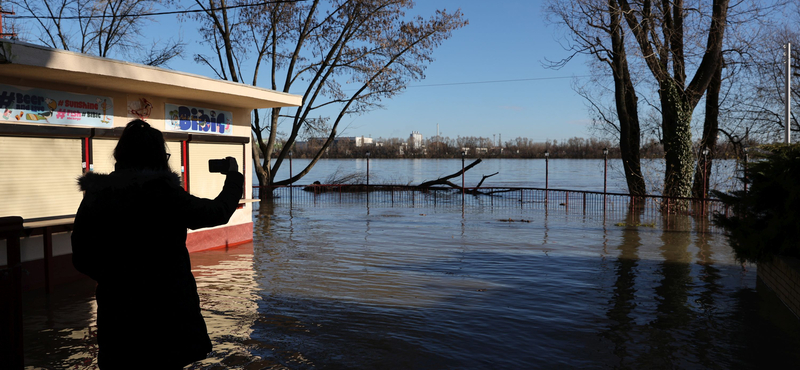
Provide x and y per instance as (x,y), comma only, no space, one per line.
(130,237)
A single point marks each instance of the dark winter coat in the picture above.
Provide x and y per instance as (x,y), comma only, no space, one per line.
(130,237)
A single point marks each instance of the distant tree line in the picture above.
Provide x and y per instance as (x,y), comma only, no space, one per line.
(484,147)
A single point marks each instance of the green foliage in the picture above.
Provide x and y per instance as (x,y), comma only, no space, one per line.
(766,219)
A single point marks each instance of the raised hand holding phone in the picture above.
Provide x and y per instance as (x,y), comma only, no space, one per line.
(223,166)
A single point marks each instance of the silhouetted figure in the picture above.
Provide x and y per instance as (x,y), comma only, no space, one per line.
(130,237)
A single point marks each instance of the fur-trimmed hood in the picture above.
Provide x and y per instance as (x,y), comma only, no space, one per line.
(125,179)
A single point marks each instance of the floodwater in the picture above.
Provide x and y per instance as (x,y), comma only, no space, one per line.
(344,287)
(572,174)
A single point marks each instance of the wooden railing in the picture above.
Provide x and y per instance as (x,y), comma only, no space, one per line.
(12,229)
(11,350)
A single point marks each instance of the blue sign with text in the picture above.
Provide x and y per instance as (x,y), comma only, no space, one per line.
(197,120)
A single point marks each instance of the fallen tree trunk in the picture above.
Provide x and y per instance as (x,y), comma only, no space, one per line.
(444,180)
(426,185)
(484,179)
(475,191)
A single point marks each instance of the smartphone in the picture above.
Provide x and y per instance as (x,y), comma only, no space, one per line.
(225,165)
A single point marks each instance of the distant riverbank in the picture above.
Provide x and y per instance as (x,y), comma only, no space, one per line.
(519,148)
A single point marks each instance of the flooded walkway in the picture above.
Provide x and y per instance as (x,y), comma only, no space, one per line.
(400,288)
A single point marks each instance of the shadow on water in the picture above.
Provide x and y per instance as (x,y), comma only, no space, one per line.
(416,288)
(59,329)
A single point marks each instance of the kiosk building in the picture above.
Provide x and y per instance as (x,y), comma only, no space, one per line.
(61,114)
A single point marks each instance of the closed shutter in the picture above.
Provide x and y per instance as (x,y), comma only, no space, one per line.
(103,155)
(174,149)
(38,177)
(201,182)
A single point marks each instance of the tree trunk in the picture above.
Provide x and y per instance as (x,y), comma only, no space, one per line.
(677,100)
(627,106)
(676,115)
(710,131)
(444,180)
(260,164)
(264,192)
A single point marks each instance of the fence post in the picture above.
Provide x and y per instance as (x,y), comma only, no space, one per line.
(584,203)
(11,349)
(47,235)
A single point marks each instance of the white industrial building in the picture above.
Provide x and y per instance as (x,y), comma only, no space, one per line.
(415,140)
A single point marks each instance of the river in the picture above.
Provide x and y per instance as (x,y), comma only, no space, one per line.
(573,174)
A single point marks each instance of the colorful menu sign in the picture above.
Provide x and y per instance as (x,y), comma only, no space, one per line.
(30,105)
(197,120)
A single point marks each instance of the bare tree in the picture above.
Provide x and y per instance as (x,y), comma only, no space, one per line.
(660,31)
(743,90)
(596,29)
(98,27)
(757,106)
(343,56)
(745,85)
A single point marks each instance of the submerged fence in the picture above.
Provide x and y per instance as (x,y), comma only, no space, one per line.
(568,201)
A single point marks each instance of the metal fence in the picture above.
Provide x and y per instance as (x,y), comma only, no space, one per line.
(560,200)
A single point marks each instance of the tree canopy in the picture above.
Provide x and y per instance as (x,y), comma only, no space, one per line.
(104,28)
(343,56)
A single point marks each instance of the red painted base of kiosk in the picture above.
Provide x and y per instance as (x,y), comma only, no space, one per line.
(222,237)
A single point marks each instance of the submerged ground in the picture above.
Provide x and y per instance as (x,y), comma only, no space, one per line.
(347,287)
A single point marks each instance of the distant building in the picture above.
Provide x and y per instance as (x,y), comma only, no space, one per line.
(362,140)
(415,140)
(356,140)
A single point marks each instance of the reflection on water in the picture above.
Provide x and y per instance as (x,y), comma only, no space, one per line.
(399,288)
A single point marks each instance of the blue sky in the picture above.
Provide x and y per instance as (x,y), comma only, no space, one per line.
(505,40)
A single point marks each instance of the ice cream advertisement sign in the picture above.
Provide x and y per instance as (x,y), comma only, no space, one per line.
(198,120)
(29,105)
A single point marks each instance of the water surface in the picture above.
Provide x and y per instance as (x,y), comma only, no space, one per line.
(344,287)
(574,174)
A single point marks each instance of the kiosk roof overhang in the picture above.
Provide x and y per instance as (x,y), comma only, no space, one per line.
(24,61)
